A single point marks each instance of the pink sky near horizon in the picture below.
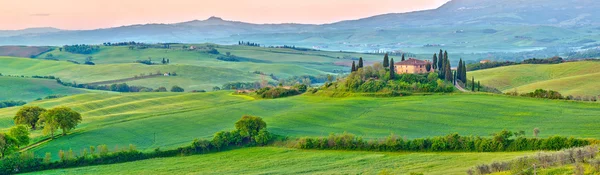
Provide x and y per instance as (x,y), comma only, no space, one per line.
(92,14)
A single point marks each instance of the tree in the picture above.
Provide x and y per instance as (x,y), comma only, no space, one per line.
(249,126)
(60,117)
(353,67)
(263,137)
(435,61)
(177,89)
(8,145)
(428,67)
(454,78)
(440,62)
(21,133)
(360,63)
(473,84)
(29,115)
(386,61)
(161,89)
(403,57)
(392,70)
(459,70)
(478,86)
(447,71)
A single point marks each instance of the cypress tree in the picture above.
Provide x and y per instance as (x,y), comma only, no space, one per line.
(440,61)
(360,63)
(446,55)
(464,71)
(435,61)
(403,57)
(353,66)
(459,70)
(473,85)
(386,61)
(454,78)
(448,71)
(392,70)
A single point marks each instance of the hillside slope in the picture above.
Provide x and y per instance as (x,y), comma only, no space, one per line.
(167,120)
(573,78)
(270,160)
(28,89)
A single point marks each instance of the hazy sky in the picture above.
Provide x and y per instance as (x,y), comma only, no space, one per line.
(91,14)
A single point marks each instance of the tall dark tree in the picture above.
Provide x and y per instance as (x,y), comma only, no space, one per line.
(392,70)
(353,66)
(440,60)
(478,86)
(386,61)
(360,63)
(428,67)
(448,71)
(403,57)
(464,69)
(446,55)
(459,71)
(454,78)
(435,61)
(473,84)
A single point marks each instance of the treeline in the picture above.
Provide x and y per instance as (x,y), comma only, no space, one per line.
(139,45)
(249,131)
(590,53)
(122,87)
(247,43)
(553,60)
(550,94)
(149,61)
(279,92)
(525,165)
(502,141)
(80,48)
(11,103)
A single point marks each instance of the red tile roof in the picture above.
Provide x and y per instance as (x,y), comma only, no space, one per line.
(412,61)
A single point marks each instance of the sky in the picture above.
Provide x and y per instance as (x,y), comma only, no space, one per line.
(93,14)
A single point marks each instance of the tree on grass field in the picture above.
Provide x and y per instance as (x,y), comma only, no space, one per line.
(536,132)
(435,61)
(440,60)
(392,70)
(177,89)
(21,134)
(60,117)
(473,85)
(8,145)
(29,115)
(250,126)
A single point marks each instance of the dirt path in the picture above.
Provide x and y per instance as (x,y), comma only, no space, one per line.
(460,88)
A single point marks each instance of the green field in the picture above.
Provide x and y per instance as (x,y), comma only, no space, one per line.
(28,89)
(573,78)
(271,160)
(168,120)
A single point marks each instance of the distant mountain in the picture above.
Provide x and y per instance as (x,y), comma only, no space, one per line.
(464,23)
(7,33)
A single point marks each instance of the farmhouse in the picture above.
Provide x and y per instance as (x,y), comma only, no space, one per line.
(411,66)
(484,61)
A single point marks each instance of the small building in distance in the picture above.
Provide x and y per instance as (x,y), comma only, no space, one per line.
(484,61)
(412,66)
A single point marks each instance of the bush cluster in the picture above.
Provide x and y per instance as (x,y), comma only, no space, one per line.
(81,48)
(502,141)
(11,103)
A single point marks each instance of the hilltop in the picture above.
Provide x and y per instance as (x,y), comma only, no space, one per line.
(571,78)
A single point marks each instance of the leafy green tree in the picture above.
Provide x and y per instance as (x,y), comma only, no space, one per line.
(249,126)
(29,115)
(60,117)
(386,61)
(435,61)
(161,89)
(360,63)
(21,133)
(177,89)
(263,137)
(8,145)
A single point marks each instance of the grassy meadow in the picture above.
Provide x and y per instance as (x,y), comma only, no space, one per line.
(168,120)
(572,78)
(28,89)
(273,160)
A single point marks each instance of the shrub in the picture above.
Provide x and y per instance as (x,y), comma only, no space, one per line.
(177,89)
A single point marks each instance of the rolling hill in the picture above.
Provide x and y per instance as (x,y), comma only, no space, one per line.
(168,120)
(29,89)
(572,78)
(273,160)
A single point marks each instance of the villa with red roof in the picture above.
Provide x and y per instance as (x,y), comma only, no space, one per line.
(411,66)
